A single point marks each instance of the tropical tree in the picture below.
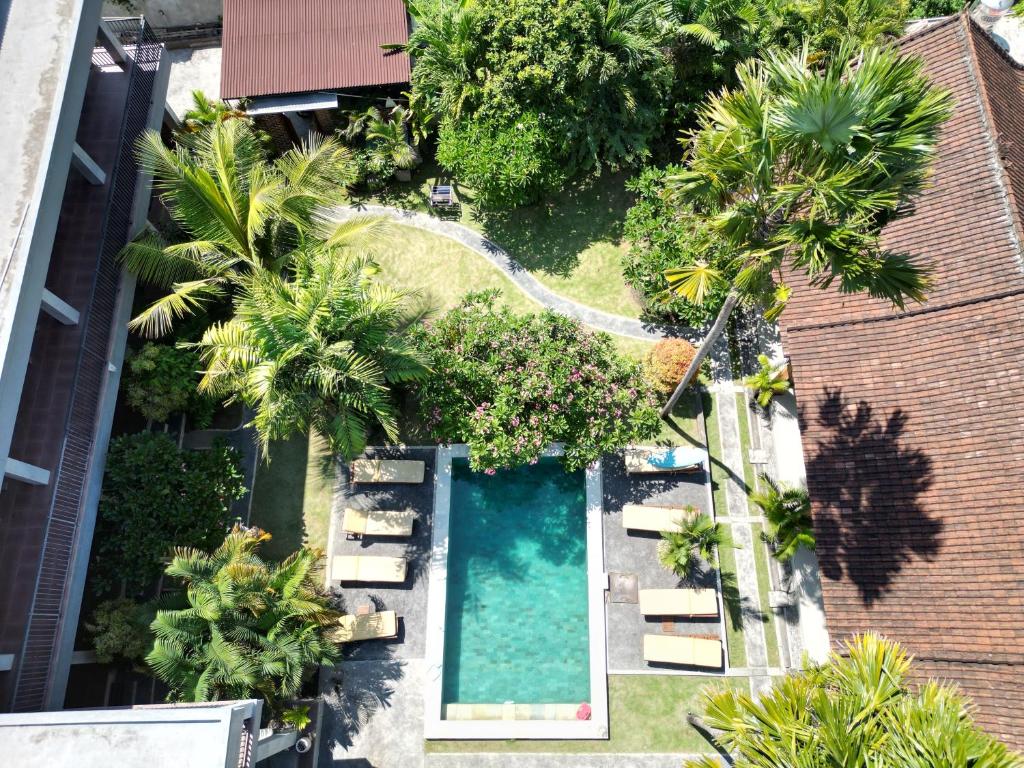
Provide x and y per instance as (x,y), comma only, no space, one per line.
(828,25)
(769,381)
(320,351)
(238,212)
(697,539)
(247,627)
(206,111)
(387,143)
(857,710)
(787,511)
(802,168)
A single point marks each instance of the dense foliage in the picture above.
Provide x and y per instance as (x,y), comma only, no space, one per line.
(697,540)
(667,362)
(320,351)
(787,511)
(769,380)
(662,236)
(162,381)
(585,80)
(926,9)
(510,385)
(120,631)
(156,496)
(246,628)
(858,709)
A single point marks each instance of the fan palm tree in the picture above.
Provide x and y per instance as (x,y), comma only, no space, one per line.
(248,628)
(857,710)
(317,352)
(787,511)
(238,211)
(206,111)
(802,168)
(828,25)
(386,140)
(698,538)
(768,382)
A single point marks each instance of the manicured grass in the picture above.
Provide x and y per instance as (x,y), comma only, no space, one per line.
(714,443)
(733,606)
(684,426)
(763,586)
(292,496)
(647,713)
(637,349)
(743,410)
(571,243)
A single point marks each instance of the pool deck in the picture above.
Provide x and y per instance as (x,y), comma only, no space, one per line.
(634,554)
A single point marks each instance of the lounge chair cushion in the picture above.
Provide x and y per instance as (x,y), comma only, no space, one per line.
(654,460)
(387,471)
(370,626)
(688,651)
(679,602)
(642,517)
(368,568)
(378,522)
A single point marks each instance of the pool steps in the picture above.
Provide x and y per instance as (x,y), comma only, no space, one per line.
(511,711)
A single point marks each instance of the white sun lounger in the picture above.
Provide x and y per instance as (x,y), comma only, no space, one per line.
(368,568)
(387,471)
(642,517)
(381,625)
(661,460)
(679,649)
(701,603)
(378,522)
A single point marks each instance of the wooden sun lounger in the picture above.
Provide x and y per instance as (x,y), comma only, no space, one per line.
(368,568)
(371,626)
(639,460)
(683,650)
(641,517)
(378,522)
(702,603)
(387,471)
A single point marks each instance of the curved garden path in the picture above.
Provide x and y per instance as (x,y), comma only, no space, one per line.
(499,257)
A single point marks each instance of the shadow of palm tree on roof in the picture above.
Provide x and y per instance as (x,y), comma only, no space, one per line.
(865,485)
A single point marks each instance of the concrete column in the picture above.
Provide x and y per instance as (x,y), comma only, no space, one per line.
(59,309)
(86,166)
(26,473)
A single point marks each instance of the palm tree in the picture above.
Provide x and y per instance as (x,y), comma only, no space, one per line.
(802,168)
(386,140)
(317,352)
(859,709)
(828,25)
(447,45)
(768,382)
(698,538)
(206,111)
(787,511)
(248,628)
(238,211)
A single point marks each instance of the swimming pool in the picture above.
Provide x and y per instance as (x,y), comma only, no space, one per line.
(515,603)
(517,615)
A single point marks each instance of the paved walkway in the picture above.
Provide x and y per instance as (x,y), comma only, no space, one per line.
(595,318)
(551,760)
(736,504)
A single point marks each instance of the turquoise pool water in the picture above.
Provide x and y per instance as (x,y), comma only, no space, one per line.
(516,622)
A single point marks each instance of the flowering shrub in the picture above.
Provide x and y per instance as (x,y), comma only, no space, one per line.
(667,362)
(509,385)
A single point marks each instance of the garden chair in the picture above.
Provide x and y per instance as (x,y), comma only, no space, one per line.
(382,625)
(367,568)
(695,603)
(442,196)
(661,460)
(683,650)
(378,522)
(641,517)
(387,471)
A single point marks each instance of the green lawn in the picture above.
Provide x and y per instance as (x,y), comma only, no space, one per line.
(685,425)
(647,713)
(571,243)
(733,607)
(292,495)
(743,410)
(763,586)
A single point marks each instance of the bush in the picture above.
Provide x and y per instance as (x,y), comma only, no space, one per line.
(156,497)
(509,385)
(162,380)
(120,630)
(506,165)
(661,237)
(667,362)
(926,9)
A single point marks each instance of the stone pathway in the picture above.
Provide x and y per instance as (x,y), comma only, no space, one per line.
(595,318)
(551,760)
(738,512)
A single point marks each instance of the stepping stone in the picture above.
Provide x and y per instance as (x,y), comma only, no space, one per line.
(622,588)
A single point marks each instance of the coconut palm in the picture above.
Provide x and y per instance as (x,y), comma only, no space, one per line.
(238,212)
(769,381)
(247,627)
(317,352)
(206,111)
(698,538)
(802,168)
(858,710)
(787,511)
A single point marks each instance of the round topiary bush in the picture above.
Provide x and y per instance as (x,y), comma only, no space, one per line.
(668,361)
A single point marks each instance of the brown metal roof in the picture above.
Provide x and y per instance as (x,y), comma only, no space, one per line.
(273,47)
(912,422)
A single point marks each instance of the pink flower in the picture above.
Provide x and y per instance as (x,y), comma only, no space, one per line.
(490,471)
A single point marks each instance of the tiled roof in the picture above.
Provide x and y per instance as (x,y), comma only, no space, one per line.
(913,423)
(274,47)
